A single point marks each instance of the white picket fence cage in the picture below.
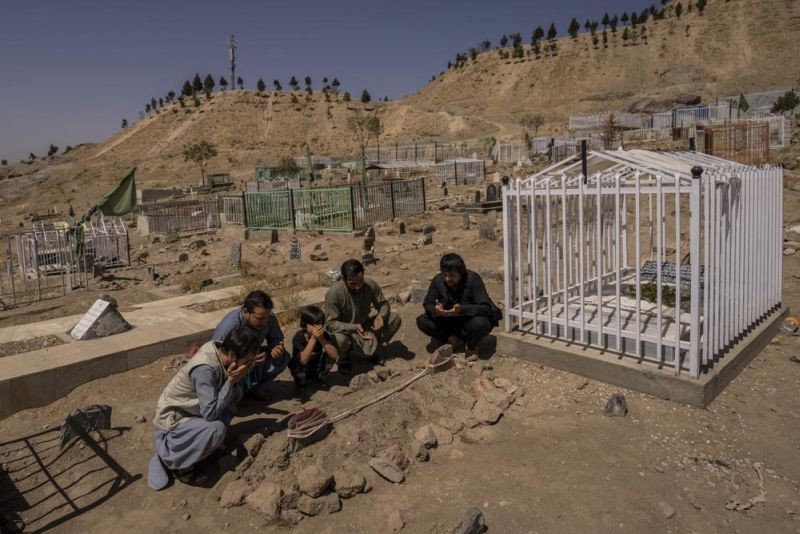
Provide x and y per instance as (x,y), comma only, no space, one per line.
(665,257)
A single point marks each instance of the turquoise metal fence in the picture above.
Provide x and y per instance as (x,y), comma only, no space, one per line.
(334,209)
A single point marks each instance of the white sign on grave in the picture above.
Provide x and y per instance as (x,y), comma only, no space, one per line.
(89,319)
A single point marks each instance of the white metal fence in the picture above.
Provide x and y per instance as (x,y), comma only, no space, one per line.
(233,209)
(643,260)
(647,135)
(460,172)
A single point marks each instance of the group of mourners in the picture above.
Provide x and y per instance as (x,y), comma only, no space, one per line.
(247,352)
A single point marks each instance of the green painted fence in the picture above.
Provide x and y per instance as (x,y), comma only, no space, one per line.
(333,209)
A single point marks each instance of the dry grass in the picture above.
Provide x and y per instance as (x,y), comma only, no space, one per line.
(192,283)
(289,300)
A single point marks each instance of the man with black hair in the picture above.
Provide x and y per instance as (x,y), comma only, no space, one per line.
(195,409)
(458,310)
(256,314)
(314,351)
(348,308)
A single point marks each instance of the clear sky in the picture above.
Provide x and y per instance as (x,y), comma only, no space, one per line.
(71,70)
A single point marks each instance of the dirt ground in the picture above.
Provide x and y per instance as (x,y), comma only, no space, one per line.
(552,463)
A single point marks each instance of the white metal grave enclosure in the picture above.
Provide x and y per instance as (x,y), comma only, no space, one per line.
(665,257)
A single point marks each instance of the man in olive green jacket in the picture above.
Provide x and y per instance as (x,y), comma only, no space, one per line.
(348,310)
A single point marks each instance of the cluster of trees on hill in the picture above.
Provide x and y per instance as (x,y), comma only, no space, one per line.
(198,86)
(510,46)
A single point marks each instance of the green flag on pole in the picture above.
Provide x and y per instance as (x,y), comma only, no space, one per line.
(121,200)
(743,104)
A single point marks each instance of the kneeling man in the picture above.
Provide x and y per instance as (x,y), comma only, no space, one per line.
(196,408)
(348,309)
(458,310)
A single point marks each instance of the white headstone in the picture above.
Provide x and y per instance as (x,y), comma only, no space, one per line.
(101,320)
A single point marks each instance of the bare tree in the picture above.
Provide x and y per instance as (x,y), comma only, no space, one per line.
(364,126)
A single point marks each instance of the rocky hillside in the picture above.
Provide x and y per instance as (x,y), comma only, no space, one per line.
(734,46)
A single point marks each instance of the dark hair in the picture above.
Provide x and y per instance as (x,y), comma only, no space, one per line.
(311,315)
(453,263)
(351,267)
(257,299)
(241,342)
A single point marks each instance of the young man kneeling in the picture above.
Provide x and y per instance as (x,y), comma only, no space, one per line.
(458,310)
(195,409)
(314,352)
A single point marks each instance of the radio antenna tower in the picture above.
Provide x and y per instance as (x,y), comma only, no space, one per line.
(232,44)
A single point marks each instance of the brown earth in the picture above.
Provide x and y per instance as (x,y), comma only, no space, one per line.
(552,463)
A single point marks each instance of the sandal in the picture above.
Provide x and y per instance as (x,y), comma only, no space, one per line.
(192,477)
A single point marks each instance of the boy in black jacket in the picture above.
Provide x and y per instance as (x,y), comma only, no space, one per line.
(457,308)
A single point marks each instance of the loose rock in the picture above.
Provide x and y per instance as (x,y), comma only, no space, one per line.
(452,425)
(233,494)
(328,503)
(419,452)
(616,406)
(443,436)
(290,496)
(348,484)
(360,381)
(666,509)
(395,455)
(266,501)
(253,444)
(313,481)
(396,521)
(485,412)
(472,523)
(426,436)
(387,470)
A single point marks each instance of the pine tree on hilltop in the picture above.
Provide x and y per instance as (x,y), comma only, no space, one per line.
(261,86)
(223,83)
(197,84)
(293,83)
(503,41)
(160,102)
(147,108)
(52,150)
(124,123)
(335,84)
(208,85)
(186,90)
(365,98)
(171,96)
(606,21)
(624,18)
(552,32)
(574,26)
(538,34)
(240,82)
(153,104)
(277,85)
(678,9)
(308,81)
(701,6)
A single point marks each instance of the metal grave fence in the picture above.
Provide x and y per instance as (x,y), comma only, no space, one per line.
(460,171)
(233,209)
(594,261)
(39,264)
(334,209)
(180,216)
